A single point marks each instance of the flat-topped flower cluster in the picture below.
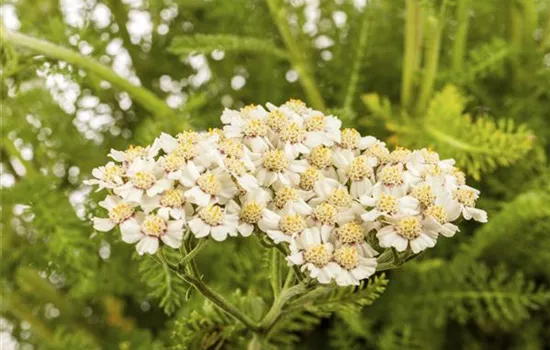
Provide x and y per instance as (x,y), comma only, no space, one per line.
(331,197)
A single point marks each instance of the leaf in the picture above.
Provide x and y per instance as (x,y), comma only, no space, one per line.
(205,43)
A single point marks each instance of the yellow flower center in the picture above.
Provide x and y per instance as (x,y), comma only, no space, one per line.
(255,128)
(172,198)
(186,150)
(350,138)
(153,225)
(275,160)
(213,215)
(214,132)
(459,176)
(424,195)
(325,213)
(434,170)
(378,151)
(430,156)
(134,152)
(284,195)
(251,212)
(293,133)
(409,228)
(231,147)
(351,232)
(144,180)
(340,198)
(298,106)
(465,197)
(121,212)
(359,169)
(276,120)
(347,257)
(315,123)
(309,177)
(392,175)
(321,157)
(318,255)
(399,155)
(111,172)
(188,137)
(292,224)
(210,184)
(437,212)
(172,162)
(387,204)
(235,166)
(246,111)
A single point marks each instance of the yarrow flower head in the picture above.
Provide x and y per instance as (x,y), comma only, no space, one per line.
(332,198)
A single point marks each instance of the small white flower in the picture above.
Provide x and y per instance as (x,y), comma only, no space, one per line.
(359,170)
(145,177)
(284,226)
(406,231)
(108,176)
(384,204)
(322,130)
(135,152)
(356,263)
(147,230)
(119,211)
(467,197)
(313,252)
(251,211)
(213,221)
(277,168)
(210,187)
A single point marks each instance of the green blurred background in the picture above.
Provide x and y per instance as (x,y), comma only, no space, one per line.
(469,78)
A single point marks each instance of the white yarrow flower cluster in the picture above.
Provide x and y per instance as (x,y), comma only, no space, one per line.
(294,175)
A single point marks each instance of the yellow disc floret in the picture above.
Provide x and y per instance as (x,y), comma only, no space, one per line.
(351,232)
(321,157)
(465,196)
(309,177)
(437,212)
(347,257)
(387,204)
(325,213)
(144,180)
(292,224)
(340,198)
(275,160)
(315,123)
(121,212)
(293,133)
(153,225)
(350,138)
(172,198)
(319,255)
(111,172)
(392,175)
(210,184)
(284,195)
(251,212)
(276,120)
(255,128)
(424,195)
(359,169)
(213,215)
(409,227)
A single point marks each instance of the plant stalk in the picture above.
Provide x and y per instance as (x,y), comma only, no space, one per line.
(142,96)
(296,55)
(409,56)
(459,44)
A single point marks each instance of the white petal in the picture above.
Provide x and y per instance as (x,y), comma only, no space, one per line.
(103,225)
(148,245)
(131,231)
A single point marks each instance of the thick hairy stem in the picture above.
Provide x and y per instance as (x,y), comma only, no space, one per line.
(142,96)
(358,61)
(459,44)
(296,55)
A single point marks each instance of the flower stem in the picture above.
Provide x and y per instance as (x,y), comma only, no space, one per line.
(296,55)
(275,273)
(142,96)
(459,44)
(410,55)
(201,244)
(276,308)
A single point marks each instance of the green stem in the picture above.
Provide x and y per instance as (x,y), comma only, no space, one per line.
(358,61)
(194,280)
(459,44)
(433,45)
(296,55)
(188,256)
(409,56)
(275,273)
(276,309)
(144,97)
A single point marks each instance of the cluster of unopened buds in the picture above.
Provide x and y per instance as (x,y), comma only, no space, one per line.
(330,197)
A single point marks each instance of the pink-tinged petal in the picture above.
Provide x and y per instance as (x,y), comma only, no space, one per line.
(131,231)
(103,225)
(147,245)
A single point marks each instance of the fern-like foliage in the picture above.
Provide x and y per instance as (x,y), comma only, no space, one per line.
(164,284)
(479,144)
(206,43)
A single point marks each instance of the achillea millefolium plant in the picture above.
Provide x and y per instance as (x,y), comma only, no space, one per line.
(150,202)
